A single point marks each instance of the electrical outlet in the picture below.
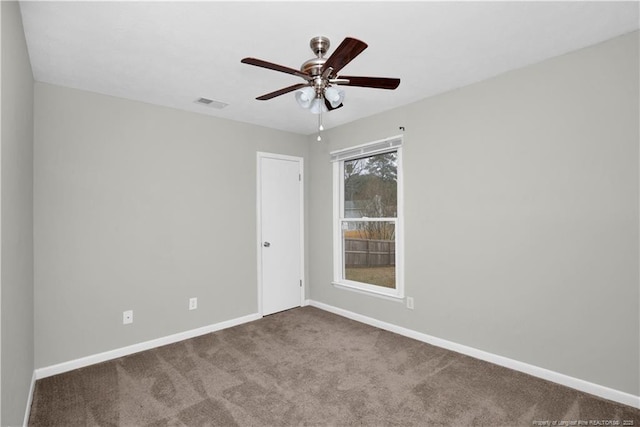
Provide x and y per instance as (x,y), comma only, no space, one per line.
(127,317)
(193,303)
(410,303)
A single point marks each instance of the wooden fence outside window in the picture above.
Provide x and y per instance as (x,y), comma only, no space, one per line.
(369,253)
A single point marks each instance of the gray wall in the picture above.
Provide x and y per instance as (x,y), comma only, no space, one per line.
(16,195)
(140,207)
(521,214)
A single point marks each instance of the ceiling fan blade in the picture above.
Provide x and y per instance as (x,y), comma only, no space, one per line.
(276,67)
(348,49)
(281,91)
(329,107)
(374,82)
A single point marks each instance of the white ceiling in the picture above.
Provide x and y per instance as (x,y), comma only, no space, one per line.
(171,53)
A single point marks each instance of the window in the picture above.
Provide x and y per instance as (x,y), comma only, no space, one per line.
(368,218)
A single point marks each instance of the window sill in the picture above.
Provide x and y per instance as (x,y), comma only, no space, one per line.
(372,293)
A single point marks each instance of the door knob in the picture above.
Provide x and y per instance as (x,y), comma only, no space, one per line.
(266,244)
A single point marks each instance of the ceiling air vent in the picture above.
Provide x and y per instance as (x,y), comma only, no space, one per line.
(211,103)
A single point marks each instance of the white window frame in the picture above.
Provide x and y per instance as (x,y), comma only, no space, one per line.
(338,158)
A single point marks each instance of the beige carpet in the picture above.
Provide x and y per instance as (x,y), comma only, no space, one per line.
(309,367)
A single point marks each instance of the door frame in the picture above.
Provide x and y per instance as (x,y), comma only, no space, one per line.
(259,156)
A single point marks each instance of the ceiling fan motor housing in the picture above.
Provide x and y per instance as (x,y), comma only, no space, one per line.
(313,66)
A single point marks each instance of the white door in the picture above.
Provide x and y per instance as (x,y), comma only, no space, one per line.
(280,252)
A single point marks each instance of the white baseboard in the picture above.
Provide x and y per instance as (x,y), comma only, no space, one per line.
(27,412)
(135,348)
(556,377)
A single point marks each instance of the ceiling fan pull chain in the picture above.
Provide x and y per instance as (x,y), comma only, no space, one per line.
(320,127)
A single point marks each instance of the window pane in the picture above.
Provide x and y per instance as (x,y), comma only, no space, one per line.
(369,252)
(371,186)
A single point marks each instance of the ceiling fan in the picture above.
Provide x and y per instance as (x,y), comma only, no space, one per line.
(318,93)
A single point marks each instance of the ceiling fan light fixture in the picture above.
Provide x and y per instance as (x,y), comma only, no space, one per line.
(305,96)
(334,96)
(318,107)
